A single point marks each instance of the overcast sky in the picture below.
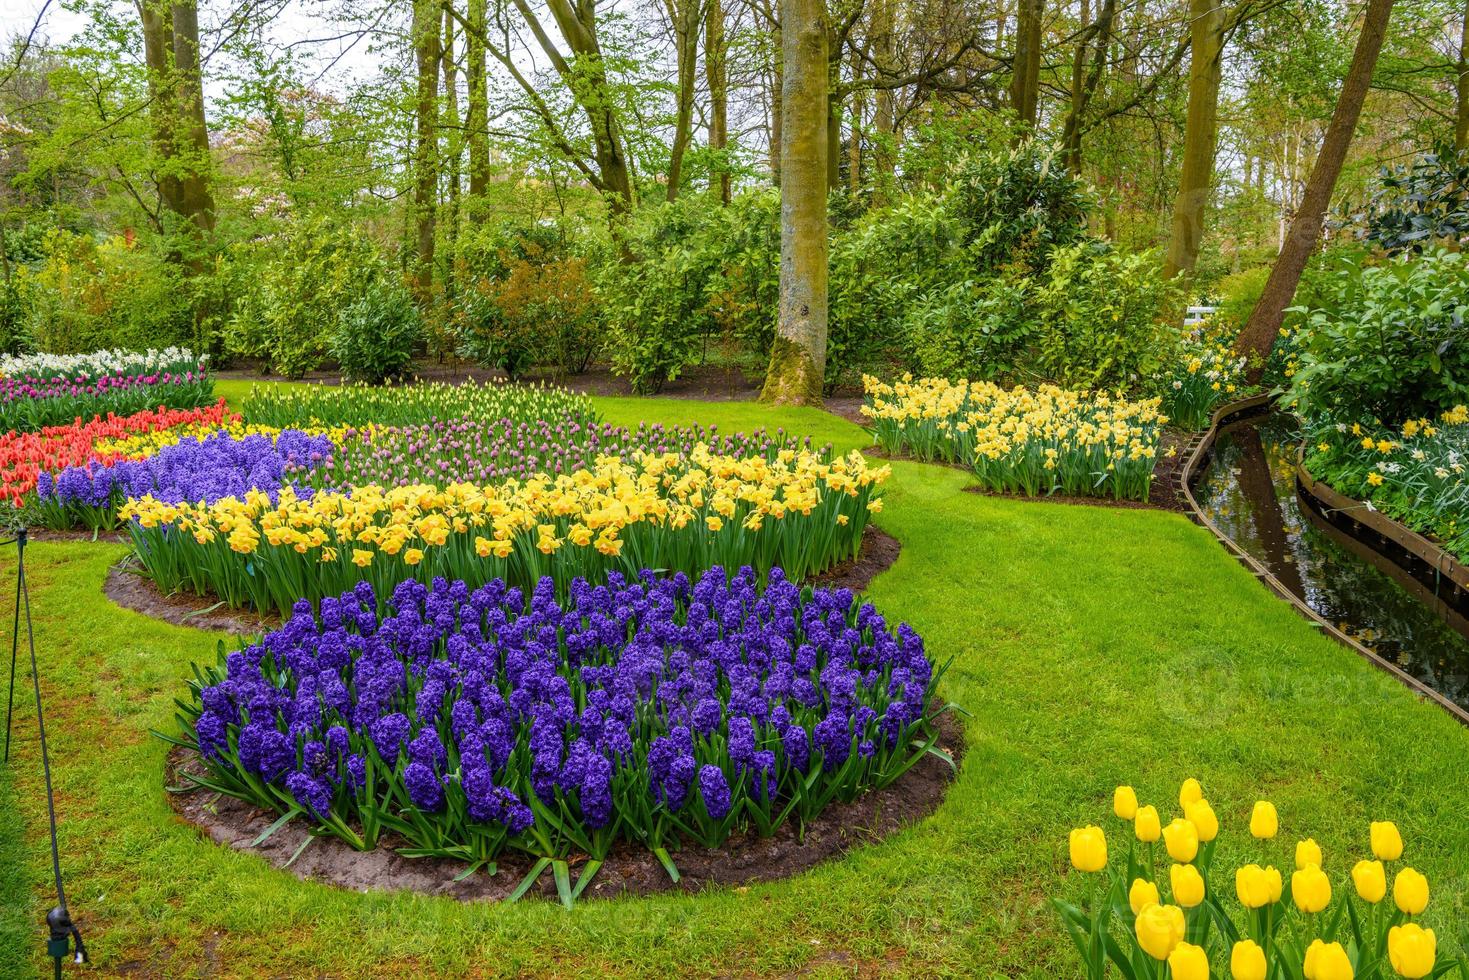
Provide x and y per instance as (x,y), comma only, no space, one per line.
(299,21)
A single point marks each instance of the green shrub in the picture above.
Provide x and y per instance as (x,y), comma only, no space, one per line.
(1016,206)
(655,293)
(1386,341)
(85,296)
(1100,318)
(376,334)
(310,275)
(1238,294)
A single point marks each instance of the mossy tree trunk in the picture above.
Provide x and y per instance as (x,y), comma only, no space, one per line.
(798,355)
(426,52)
(1025,77)
(716,76)
(1258,337)
(1461,88)
(1200,136)
(476,121)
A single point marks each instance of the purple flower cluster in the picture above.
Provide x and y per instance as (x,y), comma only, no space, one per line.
(453,713)
(482,452)
(194,469)
(12,389)
(29,403)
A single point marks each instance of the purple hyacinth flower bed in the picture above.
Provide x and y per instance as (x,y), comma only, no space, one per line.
(208,469)
(654,711)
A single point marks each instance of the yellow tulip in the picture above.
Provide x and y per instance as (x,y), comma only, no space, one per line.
(1264,823)
(1247,961)
(1188,962)
(1253,886)
(1146,824)
(1387,843)
(1190,792)
(1410,891)
(1142,894)
(1124,802)
(1188,885)
(1201,815)
(1182,840)
(1311,889)
(1370,880)
(1327,961)
(1308,852)
(1088,849)
(1412,950)
(1160,929)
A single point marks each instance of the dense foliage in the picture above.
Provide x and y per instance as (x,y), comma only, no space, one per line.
(1386,340)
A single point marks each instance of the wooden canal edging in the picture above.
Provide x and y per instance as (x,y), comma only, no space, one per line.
(1198,451)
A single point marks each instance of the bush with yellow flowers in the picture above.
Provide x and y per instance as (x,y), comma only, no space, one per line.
(1016,440)
(801,510)
(1168,912)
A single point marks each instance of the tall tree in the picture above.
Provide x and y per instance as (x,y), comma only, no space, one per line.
(685,17)
(716,77)
(1200,135)
(1025,71)
(454,145)
(476,122)
(176,115)
(427,52)
(1086,80)
(1258,336)
(1461,87)
(798,354)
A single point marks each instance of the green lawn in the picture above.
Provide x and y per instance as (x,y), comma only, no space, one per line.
(1091,646)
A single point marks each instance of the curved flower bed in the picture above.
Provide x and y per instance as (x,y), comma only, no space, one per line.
(1034,442)
(652,710)
(800,511)
(23,455)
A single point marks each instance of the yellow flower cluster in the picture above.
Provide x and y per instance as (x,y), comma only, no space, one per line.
(671,506)
(1021,439)
(1160,927)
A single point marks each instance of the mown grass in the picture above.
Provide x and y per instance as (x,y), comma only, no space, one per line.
(1091,646)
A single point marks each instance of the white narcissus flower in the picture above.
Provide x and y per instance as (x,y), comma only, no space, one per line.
(102,362)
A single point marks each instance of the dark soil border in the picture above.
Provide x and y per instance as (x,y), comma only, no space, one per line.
(1198,453)
(128,588)
(630,869)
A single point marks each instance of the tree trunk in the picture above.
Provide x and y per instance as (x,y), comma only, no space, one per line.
(683,18)
(157,21)
(1200,135)
(798,355)
(833,142)
(425,157)
(777,109)
(854,145)
(454,145)
(716,76)
(1025,77)
(884,116)
(1084,83)
(192,136)
(1461,88)
(1258,336)
(477,112)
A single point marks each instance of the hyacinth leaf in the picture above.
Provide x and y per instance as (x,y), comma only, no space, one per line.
(561,871)
(588,872)
(279,823)
(467,872)
(530,879)
(297,853)
(661,853)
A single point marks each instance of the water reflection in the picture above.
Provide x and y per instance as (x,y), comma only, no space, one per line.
(1248,489)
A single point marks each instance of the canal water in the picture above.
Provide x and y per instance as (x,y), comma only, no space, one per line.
(1248,489)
